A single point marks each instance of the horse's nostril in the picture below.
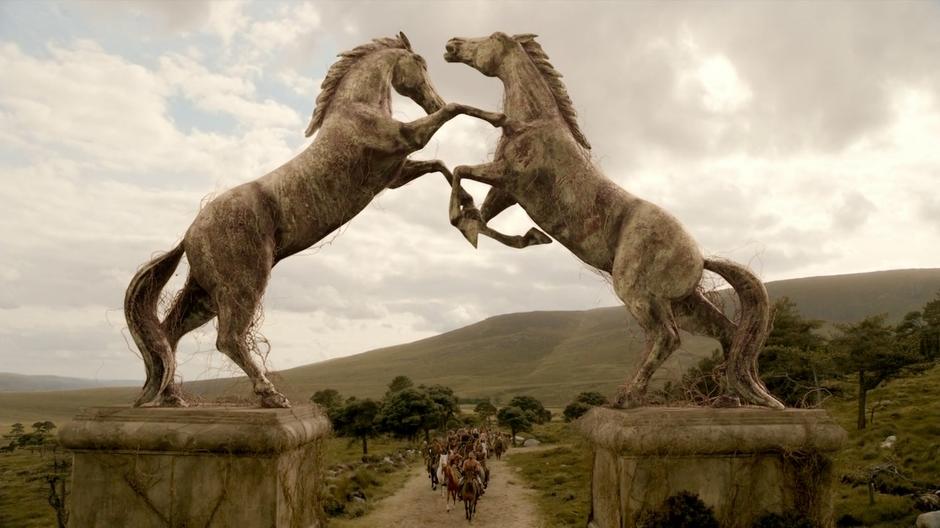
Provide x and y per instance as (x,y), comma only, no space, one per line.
(450,47)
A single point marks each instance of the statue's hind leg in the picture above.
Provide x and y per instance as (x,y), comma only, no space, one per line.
(742,382)
(662,338)
(191,309)
(237,305)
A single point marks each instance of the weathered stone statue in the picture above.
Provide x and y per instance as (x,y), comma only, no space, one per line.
(543,163)
(239,236)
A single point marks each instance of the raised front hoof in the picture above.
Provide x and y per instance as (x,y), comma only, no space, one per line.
(275,400)
(470,230)
(535,237)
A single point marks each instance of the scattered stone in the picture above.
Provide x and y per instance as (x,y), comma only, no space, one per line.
(929,520)
(928,502)
(889,442)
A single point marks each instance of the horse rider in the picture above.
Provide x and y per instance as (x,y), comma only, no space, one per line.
(473,470)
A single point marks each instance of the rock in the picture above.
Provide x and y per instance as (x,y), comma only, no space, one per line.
(889,442)
(520,439)
(927,502)
(531,442)
(387,460)
(929,520)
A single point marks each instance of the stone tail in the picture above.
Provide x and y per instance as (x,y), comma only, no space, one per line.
(140,311)
(753,327)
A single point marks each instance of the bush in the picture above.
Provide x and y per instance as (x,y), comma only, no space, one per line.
(785,520)
(682,510)
(575,410)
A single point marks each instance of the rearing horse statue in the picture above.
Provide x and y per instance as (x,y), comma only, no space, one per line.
(542,162)
(239,236)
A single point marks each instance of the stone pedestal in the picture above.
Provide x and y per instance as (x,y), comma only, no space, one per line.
(199,466)
(743,463)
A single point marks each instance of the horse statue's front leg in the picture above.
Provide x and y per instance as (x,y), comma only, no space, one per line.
(417,133)
(471,223)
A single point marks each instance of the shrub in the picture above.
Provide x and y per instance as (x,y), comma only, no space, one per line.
(790,519)
(682,510)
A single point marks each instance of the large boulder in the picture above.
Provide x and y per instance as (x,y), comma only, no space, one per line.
(531,442)
(929,520)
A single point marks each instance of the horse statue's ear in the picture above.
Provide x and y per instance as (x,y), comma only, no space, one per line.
(404,40)
(524,37)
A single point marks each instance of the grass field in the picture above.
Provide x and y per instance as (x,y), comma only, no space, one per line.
(560,475)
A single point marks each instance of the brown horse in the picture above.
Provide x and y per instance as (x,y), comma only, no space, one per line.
(499,447)
(542,162)
(238,237)
(450,487)
(470,495)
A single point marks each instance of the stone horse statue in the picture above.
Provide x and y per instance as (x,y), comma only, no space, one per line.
(238,237)
(542,162)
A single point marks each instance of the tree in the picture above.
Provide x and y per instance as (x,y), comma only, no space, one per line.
(358,419)
(868,349)
(592,398)
(534,408)
(930,335)
(330,400)
(575,410)
(793,361)
(407,412)
(582,404)
(514,418)
(485,410)
(400,383)
(446,402)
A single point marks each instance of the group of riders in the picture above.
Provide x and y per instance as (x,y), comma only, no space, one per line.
(457,463)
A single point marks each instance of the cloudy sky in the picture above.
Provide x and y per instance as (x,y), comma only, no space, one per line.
(800,138)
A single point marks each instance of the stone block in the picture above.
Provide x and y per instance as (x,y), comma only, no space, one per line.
(207,466)
(743,463)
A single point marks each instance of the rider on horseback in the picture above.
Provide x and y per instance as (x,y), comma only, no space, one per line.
(472,470)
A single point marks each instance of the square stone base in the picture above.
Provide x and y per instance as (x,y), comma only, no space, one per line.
(743,463)
(201,466)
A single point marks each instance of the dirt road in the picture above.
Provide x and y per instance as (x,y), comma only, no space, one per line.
(507,504)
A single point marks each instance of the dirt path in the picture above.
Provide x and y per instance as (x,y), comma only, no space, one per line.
(507,504)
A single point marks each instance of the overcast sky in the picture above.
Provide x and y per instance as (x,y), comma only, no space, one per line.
(800,138)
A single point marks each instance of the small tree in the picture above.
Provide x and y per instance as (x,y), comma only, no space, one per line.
(536,411)
(592,398)
(330,400)
(485,410)
(868,350)
(358,419)
(515,419)
(15,436)
(793,360)
(407,412)
(447,406)
(400,383)
(582,404)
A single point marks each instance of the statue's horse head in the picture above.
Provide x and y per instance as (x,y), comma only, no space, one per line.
(485,54)
(364,74)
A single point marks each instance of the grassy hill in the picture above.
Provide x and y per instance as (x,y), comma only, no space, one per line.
(549,355)
(10,382)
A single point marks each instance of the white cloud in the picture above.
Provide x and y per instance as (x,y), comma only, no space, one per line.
(798,149)
(293,22)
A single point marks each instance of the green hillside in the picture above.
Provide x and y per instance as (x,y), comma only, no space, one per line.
(549,355)
(10,382)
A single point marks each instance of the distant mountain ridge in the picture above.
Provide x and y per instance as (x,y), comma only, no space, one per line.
(551,355)
(10,382)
